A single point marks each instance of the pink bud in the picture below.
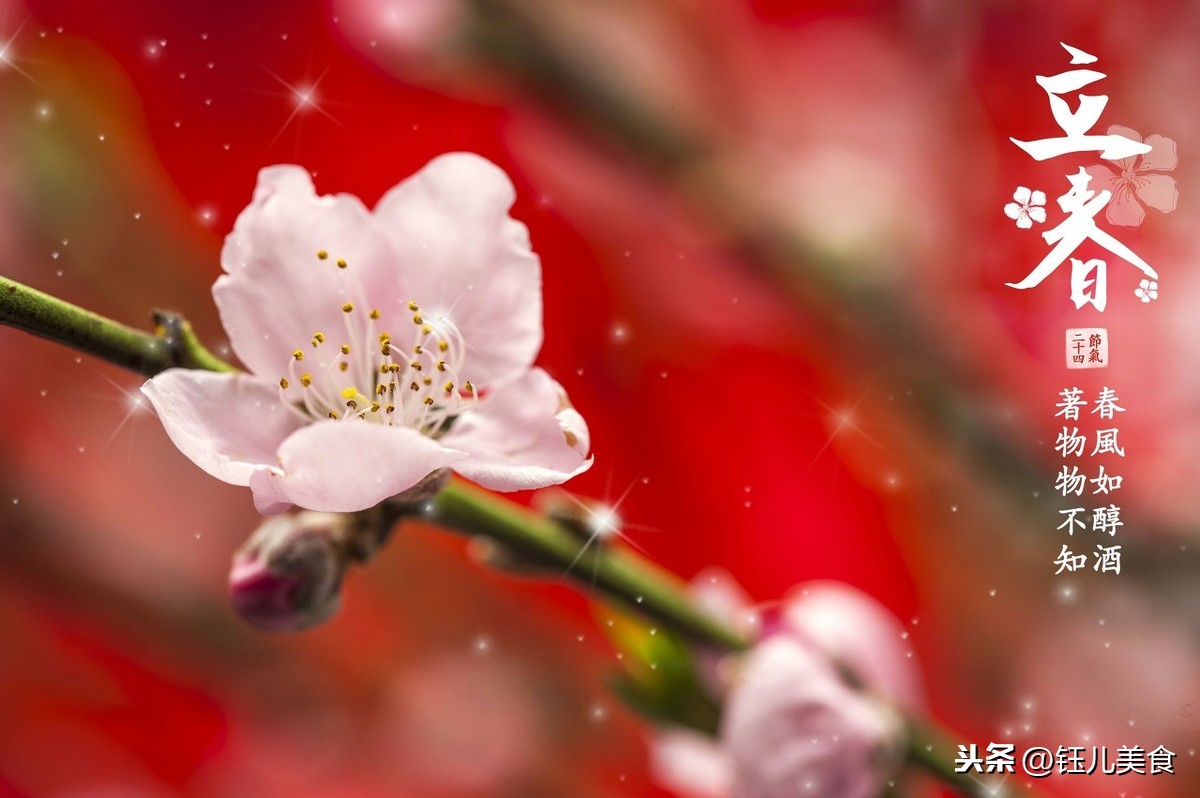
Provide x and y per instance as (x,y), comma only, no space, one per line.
(288,575)
(794,726)
(861,636)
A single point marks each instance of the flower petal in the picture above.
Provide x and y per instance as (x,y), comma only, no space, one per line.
(1163,158)
(1158,191)
(276,293)
(860,634)
(1023,221)
(1038,198)
(1037,214)
(347,465)
(464,257)
(1124,209)
(690,764)
(523,436)
(1012,210)
(228,424)
(1102,178)
(1022,195)
(794,727)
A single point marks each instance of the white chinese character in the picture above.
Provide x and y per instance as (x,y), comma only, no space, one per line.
(968,759)
(1131,760)
(1106,441)
(1072,521)
(1108,559)
(1001,758)
(1069,406)
(1081,205)
(1107,519)
(1070,442)
(1070,482)
(1077,123)
(1106,403)
(1162,761)
(1106,483)
(1069,561)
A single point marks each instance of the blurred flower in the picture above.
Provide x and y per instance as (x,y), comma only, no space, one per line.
(1138,182)
(813,710)
(288,575)
(356,391)
(860,635)
(1147,290)
(795,726)
(1028,207)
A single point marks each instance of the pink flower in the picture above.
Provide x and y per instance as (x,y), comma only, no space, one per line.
(381,346)
(795,726)
(813,710)
(1138,182)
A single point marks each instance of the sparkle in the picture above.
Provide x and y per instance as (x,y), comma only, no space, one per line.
(8,54)
(305,98)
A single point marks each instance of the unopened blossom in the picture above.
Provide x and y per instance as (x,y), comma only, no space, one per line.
(288,575)
(1138,182)
(814,709)
(380,346)
(794,725)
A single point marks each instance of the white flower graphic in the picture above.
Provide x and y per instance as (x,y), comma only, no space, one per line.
(1028,207)
(1147,291)
(1138,183)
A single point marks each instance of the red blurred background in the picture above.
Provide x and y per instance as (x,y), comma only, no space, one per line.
(746,415)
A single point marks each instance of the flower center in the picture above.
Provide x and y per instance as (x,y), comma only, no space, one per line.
(411,377)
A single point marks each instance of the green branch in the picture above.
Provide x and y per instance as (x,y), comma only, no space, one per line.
(173,345)
(536,540)
(531,540)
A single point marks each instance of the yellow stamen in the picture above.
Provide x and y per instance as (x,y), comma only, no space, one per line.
(428,400)
(322,254)
(415,387)
(469,388)
(343,366)
(417,319)
(298,355)
(345,349)
(426,330)
(333,414)
(283,383)
(443,346)
(374,313)
(306,379)
(346,308)
(413,307)
(341,262)
(349,393)
(416,366)
(441,365)
(449,387)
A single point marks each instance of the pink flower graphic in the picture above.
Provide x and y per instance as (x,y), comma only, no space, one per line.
(1137,183)
(381,346)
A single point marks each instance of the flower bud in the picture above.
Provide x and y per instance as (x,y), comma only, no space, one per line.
(288,575)
(794,726)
